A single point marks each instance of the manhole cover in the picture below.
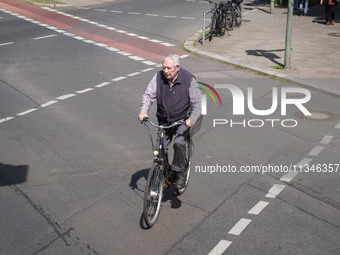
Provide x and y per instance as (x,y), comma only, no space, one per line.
(317,115)
(334,34)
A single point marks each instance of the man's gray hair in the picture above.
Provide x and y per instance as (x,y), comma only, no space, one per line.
(174,57)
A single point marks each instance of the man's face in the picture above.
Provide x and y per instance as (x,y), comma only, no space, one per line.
(169,69)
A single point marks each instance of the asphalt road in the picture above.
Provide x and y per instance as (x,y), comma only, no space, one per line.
(74,159)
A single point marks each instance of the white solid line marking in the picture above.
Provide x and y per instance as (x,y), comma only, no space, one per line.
(119,78)
(316,150)
(84,90)
(8,43)
(220,247)
(49,103)
(239,227)
(43,37)
(66,96)
(258,207)
(326,139)
(26,112)
(275,190)
(103,84)
(133,74)
(338,125)
(290,176)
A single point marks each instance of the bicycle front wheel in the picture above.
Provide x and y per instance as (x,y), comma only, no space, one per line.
(153,195)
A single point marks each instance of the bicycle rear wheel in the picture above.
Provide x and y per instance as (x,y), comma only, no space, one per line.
(153,195)
(238,15)
(229,20)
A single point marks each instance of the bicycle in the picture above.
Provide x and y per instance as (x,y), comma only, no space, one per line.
(218,20)
(236,5)
(232,12)
(160,176)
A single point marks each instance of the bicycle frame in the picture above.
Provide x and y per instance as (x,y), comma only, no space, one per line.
(159,173)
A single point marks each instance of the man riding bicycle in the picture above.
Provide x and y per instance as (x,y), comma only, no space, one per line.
(178,97)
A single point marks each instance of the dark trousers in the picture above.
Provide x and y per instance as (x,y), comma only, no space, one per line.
(179,134)
(330,12)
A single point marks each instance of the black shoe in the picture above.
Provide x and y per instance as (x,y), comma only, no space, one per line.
(180,182)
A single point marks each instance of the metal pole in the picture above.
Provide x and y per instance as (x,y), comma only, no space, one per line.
(203,30)
(288,46)
(271,6)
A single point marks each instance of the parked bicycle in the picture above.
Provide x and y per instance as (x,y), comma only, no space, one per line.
(236,6)
(160,176)
(225,15)
(217,25)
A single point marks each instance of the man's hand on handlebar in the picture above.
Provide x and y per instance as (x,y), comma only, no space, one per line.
(142,116)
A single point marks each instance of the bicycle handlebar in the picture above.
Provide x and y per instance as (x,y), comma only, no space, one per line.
(180,122)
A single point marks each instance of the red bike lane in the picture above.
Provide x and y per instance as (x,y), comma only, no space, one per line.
(142,48)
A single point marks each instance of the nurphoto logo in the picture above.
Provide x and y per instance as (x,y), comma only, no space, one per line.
(240,101)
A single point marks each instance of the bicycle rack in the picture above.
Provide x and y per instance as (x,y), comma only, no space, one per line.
(204,25)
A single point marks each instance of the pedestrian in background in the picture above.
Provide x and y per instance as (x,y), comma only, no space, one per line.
(329,10)
(304,10)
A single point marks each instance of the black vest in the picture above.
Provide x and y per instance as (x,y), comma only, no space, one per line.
(173,104)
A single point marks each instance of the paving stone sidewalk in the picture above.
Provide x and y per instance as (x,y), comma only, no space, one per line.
(259,44)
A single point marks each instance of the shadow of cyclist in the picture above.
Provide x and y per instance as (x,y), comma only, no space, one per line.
(11,175)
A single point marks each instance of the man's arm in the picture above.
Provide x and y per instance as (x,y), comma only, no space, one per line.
(148,98)
(195,100)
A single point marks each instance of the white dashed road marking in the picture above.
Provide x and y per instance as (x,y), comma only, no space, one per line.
(27,112)
(275,190)
(46,36)
(220,247)
(316,151)
(258,207)
(239,227)
(8,43)
(326,139)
